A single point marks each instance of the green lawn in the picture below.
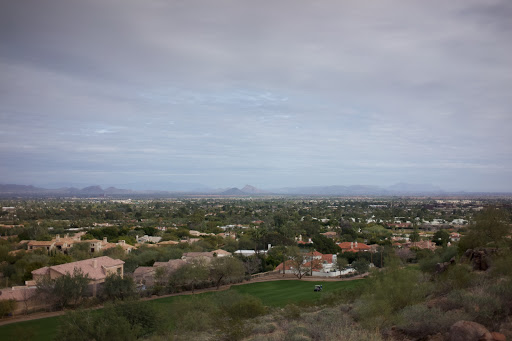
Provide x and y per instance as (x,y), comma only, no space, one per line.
(281,293)
(40,330)
(276,293)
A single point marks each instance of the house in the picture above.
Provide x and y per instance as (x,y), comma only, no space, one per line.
(190,240)
(146,274)
(302,242)
(44,245)
(96,245)
(62,244)
(167,242)
(353,247)
(122,244)
(231,235)
(400,225)
(454,236)
(330,234)
(97,269)
(195,233)
(221,253)
(65,243)
(314,263)
(147,239)
(171,265)
(314,255)
(424,244)
(190,256)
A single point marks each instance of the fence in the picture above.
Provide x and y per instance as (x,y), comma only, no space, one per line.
(264,274)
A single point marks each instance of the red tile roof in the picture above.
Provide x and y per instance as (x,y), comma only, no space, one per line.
(287,266)
(87,266)
(316,265)
(327,258)
(353,247)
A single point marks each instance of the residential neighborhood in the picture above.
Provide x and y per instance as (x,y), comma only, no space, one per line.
(150,249)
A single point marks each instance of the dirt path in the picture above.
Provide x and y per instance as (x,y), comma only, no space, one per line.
(273,277)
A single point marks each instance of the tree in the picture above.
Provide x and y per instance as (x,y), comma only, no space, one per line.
(60,258)
(115,252)
(324,244)
(252,264)
(222,268)
(297,259)
(118,288)
(441,237)
(127,321)
(491,228)
(80,251)
(415,236)
(361,265)
(191,274)
(66,289)
(341,263)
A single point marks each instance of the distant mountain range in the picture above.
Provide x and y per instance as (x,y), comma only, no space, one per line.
(198,189)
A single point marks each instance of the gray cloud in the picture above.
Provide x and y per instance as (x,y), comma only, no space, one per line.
(268,93)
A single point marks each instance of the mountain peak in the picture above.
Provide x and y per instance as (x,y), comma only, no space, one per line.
(251,189)
(233,191)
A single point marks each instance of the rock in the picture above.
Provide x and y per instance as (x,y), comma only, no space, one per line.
(506,327)
(480,259)
(469,331)
(498,336)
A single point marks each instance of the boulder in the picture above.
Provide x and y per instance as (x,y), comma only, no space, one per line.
(498,336)
(469,331)
(480,259)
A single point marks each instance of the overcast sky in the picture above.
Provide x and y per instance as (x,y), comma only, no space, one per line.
(268,93)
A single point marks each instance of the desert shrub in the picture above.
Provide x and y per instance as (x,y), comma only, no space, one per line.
(502,288)
(481,304)
(485,308)
(143,318)
(387,293)
(292,312)
(447,253)
(428,264)
(502,265)
(225,313)
(297,332)
(192,314)
(232,329)
(420,321)
(327,324)
(455,277)
(238,306)
(263,328)
(324,322)
(110,324)
(7,307)
(427,260)
(197,321)
(344,295)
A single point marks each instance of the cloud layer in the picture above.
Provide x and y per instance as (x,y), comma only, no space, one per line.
(271,93)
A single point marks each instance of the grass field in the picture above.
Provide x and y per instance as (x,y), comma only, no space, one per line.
(274,294)
(40,330)
(281,293)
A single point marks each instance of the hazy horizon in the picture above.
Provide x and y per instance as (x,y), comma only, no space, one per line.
(271,94)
